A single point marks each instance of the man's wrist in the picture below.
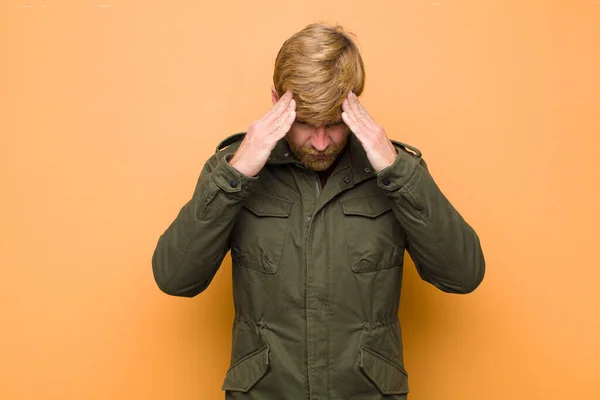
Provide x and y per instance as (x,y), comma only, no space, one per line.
(235,164)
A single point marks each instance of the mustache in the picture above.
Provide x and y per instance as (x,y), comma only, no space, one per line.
(329,151)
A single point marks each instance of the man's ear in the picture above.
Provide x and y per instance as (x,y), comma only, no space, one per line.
(274,96)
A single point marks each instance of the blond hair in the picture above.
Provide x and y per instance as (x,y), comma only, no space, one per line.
(320,64)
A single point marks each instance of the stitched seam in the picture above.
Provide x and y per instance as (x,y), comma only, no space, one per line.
(388,362)
(346,211)
(240,361)
(269,214)
(365,214)
(383,358)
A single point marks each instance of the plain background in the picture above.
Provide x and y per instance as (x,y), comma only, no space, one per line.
(108,110)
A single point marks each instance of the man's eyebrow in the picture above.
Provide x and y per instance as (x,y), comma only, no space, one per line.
(336,122)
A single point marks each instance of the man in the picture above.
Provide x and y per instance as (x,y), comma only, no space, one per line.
(317,206)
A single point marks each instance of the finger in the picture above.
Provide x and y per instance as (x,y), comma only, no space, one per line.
(350,111)
(352,124)
(277,113)
(273,110)
(281,120)
(279,107)
(360,111)
(268,115)
(287,124)
(356,107)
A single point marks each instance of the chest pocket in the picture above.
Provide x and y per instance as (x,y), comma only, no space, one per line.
(374,236)
(259,232)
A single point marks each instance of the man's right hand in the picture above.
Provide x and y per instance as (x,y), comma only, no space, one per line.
(263,135)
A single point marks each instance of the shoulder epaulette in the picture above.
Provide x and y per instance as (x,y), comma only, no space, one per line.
(406,147)
(230,140)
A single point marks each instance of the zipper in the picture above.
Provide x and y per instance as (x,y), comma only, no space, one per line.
(307,256)
(306,301)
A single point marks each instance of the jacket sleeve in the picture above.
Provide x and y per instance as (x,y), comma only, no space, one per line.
(444,247)
(190,251)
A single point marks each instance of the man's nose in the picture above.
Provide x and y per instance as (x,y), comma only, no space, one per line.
(320,139)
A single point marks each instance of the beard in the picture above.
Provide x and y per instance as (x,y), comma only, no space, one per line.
(317,160)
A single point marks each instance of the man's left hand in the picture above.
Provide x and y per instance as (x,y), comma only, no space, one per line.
(380,150)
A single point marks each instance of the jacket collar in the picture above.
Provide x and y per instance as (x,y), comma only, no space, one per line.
(353,157)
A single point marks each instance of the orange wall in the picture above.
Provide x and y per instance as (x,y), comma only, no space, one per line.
(108,110)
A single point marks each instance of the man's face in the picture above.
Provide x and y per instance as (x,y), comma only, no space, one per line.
(317,147)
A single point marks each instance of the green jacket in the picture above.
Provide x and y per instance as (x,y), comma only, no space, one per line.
(317,272)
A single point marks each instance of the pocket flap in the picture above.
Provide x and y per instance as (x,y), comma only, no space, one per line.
(366,206)
(267,206)
(244,374)
(389,377)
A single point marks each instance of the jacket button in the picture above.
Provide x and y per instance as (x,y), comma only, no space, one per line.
(233,183)
(346,179)
(386,181)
